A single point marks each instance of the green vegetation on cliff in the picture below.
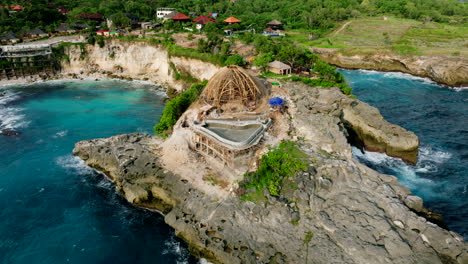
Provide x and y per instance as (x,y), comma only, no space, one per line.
(176,107)
(280,163)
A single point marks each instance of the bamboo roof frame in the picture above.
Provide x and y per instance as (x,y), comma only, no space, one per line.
(230,84)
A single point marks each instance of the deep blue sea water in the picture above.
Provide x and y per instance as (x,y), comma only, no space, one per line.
(53,209)
(439,117)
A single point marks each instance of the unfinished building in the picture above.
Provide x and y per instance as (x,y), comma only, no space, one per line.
(231,124)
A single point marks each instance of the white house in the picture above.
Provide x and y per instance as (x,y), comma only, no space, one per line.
(163,11)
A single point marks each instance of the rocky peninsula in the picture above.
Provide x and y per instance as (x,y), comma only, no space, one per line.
(446,70)
(336,210)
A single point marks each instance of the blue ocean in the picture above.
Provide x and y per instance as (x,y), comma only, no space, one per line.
(439,117)
(54,209)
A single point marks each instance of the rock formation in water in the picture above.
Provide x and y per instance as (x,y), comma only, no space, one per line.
(449,70)
(337,211)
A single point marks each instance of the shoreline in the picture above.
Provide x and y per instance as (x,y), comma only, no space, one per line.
(447,71)
(422,78)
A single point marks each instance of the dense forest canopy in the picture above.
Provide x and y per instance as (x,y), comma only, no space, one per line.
(317,15)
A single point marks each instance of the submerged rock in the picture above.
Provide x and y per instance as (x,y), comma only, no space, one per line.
(10,132)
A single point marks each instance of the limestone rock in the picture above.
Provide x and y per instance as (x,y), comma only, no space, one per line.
(352,213)
(449,70)
(379,135)
(414,202)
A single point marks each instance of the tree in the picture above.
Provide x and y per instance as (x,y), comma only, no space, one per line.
(235,59)
(262,61)
(120,20)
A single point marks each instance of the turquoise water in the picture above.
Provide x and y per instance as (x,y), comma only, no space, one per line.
(54,209)
(439,116)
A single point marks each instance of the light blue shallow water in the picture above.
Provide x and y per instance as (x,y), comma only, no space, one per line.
(53,209)
(439,117)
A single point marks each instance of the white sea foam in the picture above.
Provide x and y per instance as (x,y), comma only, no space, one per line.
(173,247)
(11,117)
(74,164)
(60,134)
(204,261)
(406,173)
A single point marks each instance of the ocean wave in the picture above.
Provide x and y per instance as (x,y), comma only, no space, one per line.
(407,174)
(173,247)
(74,164)
(427,153)
(12,118)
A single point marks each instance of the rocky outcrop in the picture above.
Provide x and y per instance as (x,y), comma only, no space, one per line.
(448,70)
(337,211)
(362,121)
(132,60)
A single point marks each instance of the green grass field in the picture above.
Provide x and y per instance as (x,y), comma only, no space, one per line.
(393,35)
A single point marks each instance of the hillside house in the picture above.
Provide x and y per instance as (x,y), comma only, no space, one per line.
(162,12)
(279,68)
(202,20)
(275,24)
(36,33)
(9,38)
(104,33)
(231,20)
(64,29)
(180,17)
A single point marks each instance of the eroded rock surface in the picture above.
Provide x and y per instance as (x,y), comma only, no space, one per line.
(447,70)
(352,213)
(327,113)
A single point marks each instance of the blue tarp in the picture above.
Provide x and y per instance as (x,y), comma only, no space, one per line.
(276,101)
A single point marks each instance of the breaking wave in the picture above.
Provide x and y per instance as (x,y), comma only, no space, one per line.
(11,117)
(411,176)
(174,248)
(74,165)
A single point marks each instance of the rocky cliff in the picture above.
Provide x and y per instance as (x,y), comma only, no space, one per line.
(132,60)
(337,211)
(448,70)
(363,124)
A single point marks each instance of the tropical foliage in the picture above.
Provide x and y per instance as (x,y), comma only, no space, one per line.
(176,107)
(280,163)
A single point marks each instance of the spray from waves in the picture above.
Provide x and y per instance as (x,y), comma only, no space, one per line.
(74,164)
(410,176)
(11,117)
(397,75)
(173,247)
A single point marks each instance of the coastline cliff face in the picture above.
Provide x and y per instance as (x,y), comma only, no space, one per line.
(448,70)
(132,60)
(337,210)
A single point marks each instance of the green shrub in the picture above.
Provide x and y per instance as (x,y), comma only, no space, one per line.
(235,59)
(176,107)
(100,41)
(279,163)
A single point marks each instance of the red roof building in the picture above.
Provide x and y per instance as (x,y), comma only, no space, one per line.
(95,16)
(16,8)
(232,20)
(63,10)
(180,17)
(203,20)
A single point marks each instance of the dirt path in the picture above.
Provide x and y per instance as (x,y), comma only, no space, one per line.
(341,28)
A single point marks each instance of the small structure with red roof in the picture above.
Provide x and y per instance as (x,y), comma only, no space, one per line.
(96,17)
(104,33)
(231,20)
(202,20)
(181,18)
(63,10)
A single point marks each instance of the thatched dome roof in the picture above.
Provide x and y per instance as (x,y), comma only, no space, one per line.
(230,84)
